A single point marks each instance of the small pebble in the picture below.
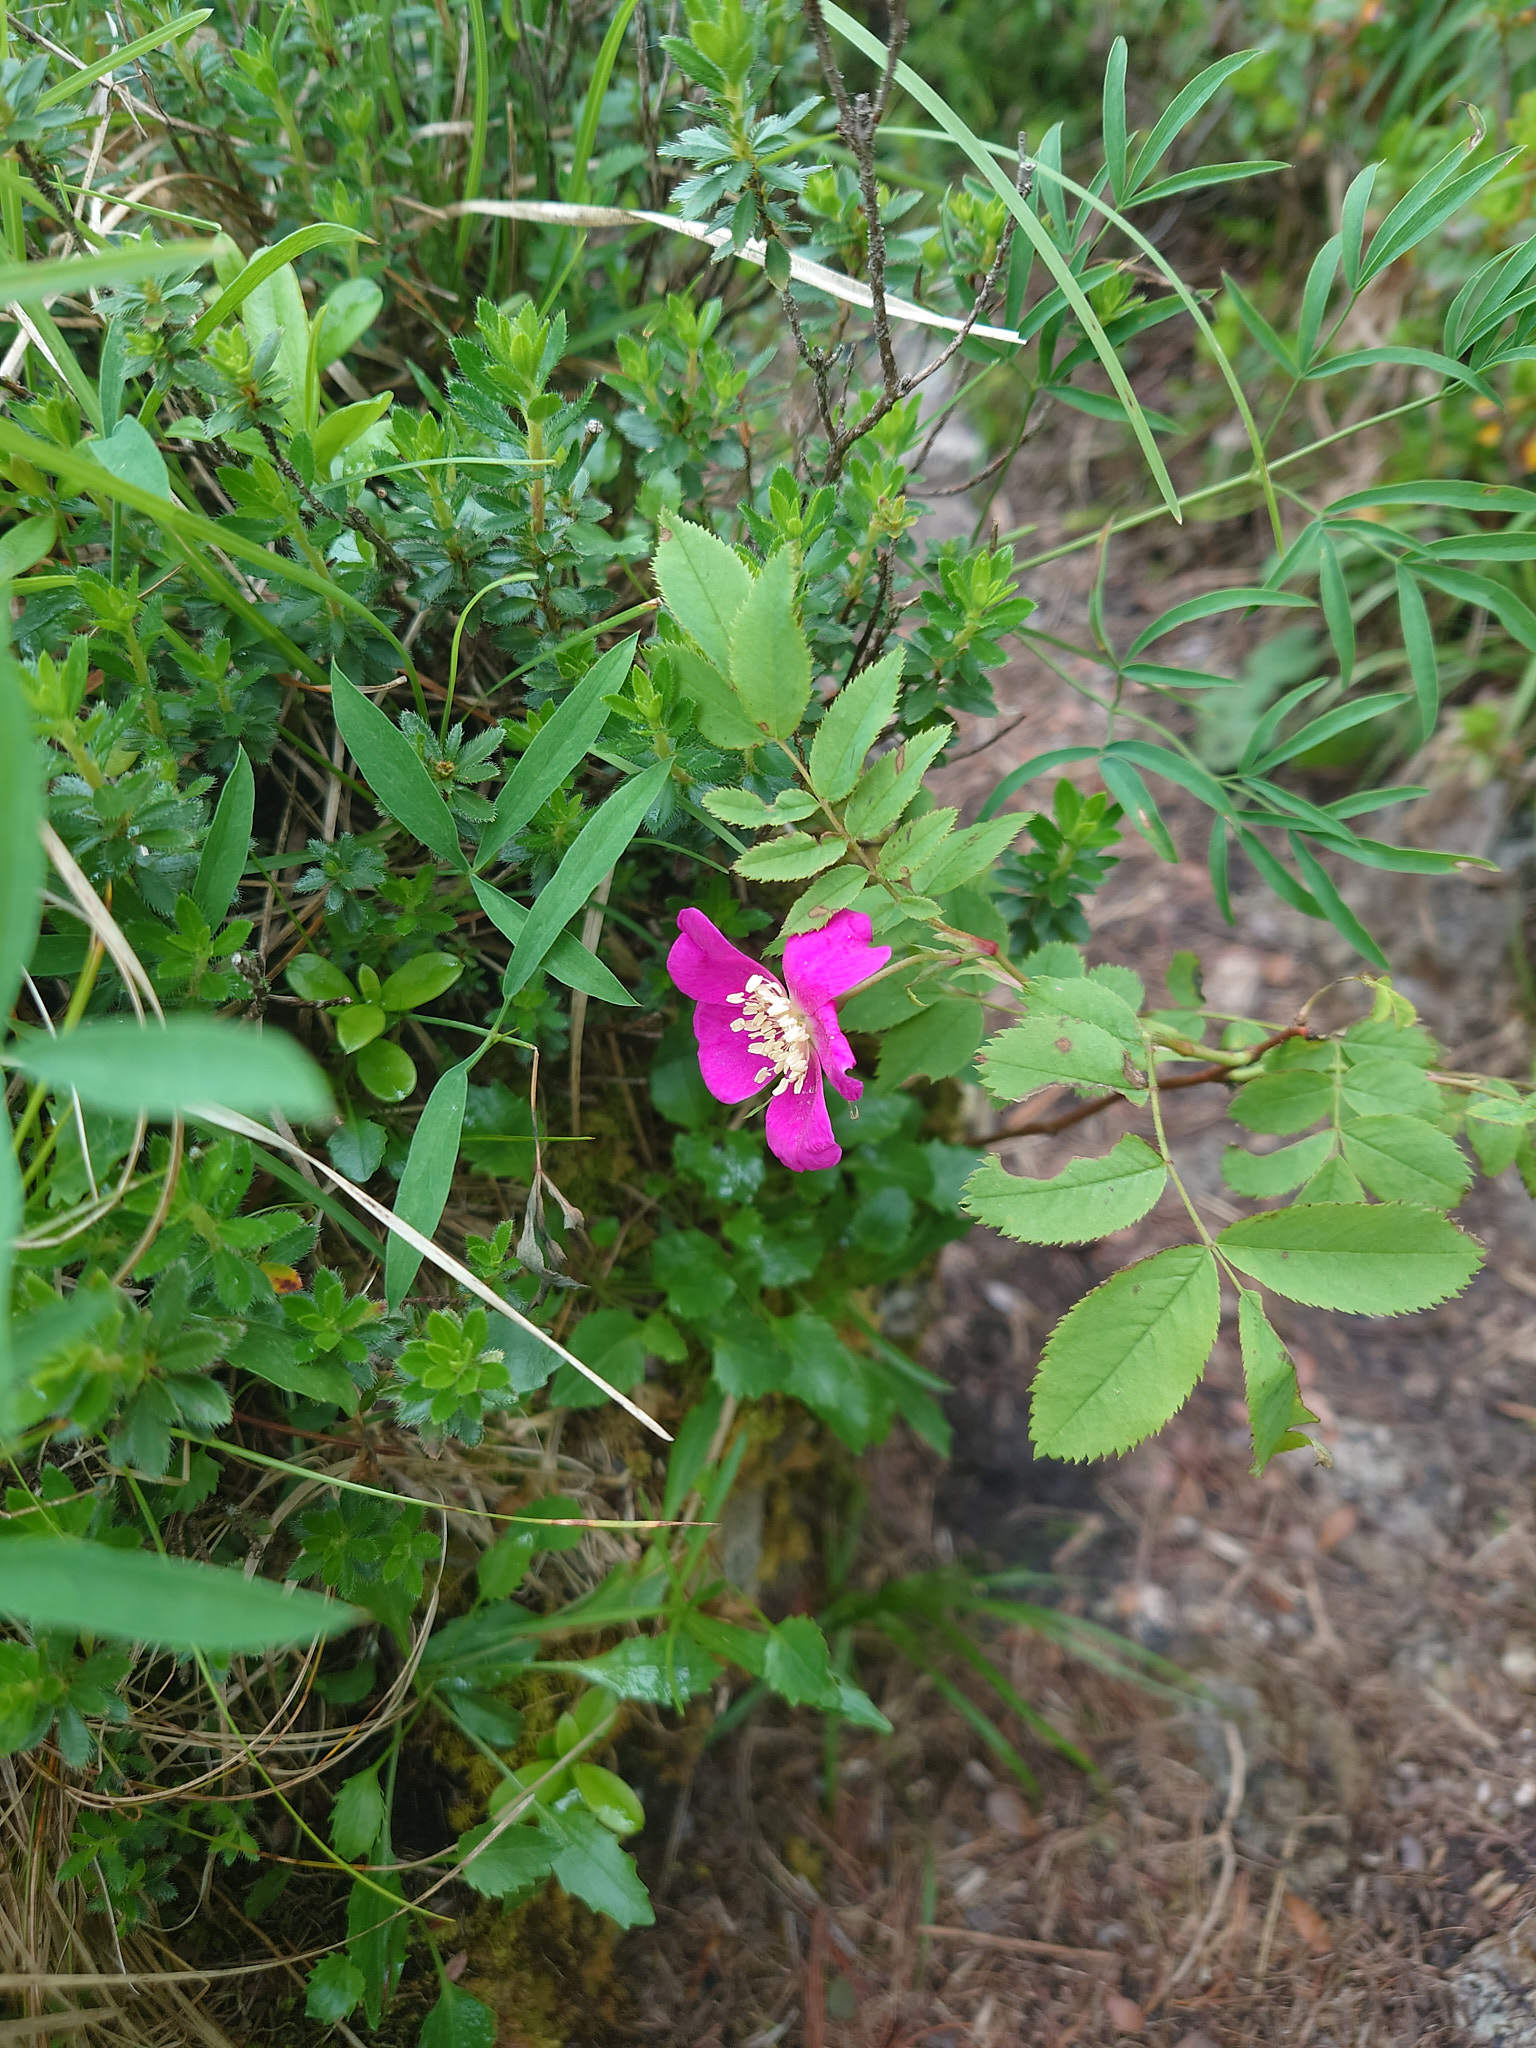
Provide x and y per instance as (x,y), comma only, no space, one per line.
(1410,1853)
(1123,2014)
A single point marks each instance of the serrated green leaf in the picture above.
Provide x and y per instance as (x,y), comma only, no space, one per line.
(1277,1104)
(853,721)
(512,1862)
(717,708)
(1046,1051)
(357,1814)
(1089,999)
(1402,1159)
(1334,1181)
(1389,1087)
(1258,1175)
(705,584)
(593,1868)
(770,656)
(788,859)
(739,807)
(459,2020)
(1496,1144)
(885,790)
(915,842)
(1382,1259)
(1275,1407)
(1087,1200)
(938,1041)
(334,1989)
(838,890)
(796,1663)
(1127,1357)
(966,854)
(666,1670)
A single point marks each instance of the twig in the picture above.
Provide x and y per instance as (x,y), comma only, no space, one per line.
(1016,1944)
(1218,1070)
(1223,1837)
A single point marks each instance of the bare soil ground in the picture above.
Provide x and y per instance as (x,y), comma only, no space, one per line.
(1306,1850)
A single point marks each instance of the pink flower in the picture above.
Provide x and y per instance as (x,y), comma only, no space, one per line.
(753,1028)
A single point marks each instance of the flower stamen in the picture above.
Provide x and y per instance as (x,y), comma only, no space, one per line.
(780,1032)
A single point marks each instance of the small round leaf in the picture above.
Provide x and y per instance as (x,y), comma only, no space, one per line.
(607,1795)
(386,1070)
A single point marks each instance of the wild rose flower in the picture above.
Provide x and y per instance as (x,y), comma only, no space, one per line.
(754,1029)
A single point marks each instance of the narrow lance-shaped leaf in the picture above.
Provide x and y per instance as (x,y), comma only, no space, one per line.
(394,771)
(21,852)
(228,845)
(134,1596)
(568,960)
(169,1069)
(1126,1359)
(428,1176)
(1114,117)
(597,847)
(1334,592)
(1058,264)
(556,749)
(1419,641)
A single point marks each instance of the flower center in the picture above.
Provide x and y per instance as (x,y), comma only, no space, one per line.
(780,1034)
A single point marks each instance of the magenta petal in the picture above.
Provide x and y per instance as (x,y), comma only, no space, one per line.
(799,1128)
(835,1053)
(730,1071)
(824,964)
(704,963)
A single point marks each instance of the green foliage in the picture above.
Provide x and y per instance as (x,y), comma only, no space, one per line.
(359,746)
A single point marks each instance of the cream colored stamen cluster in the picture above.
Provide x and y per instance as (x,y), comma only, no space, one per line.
(780,1034)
